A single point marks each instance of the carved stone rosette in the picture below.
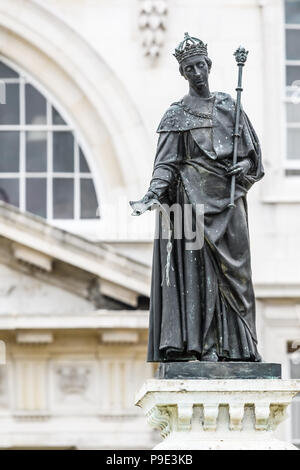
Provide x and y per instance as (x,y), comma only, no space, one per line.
(152,24)
(217,414)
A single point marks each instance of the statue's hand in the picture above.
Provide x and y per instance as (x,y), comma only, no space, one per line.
(144,204)
(240,169)
(148,196)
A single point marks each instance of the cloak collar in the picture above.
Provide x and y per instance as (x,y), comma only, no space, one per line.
(179,117)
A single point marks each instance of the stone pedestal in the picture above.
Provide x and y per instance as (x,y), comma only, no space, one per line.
(217,414)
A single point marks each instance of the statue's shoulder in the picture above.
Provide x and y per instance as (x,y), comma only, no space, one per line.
(177,118)
(222,95)
(224,98)
(172,119)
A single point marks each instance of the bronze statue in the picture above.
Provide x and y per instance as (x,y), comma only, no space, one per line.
(206,309)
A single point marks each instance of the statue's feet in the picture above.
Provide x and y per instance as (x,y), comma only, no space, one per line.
(210,356)
(179,356)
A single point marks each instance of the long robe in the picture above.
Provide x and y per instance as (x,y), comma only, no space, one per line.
(208,309)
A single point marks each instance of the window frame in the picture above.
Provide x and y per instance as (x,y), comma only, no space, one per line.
(289,164)
(277,187)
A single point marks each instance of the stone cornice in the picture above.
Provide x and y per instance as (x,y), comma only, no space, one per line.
(127,319)
(101,260)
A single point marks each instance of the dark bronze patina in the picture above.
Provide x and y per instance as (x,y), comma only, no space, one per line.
(206,311)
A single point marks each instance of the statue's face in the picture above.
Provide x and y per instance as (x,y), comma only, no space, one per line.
(195,70)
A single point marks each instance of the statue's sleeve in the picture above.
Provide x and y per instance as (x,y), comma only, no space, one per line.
(249,147)
(166,162)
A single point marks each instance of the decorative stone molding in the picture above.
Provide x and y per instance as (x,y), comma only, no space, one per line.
(152,24)
(206,414)
(97,319)
(262,414)
(73,379)
(160,419)
(119,337)
(210,415)
(31,257)
(185,414)
(115,291)
(31,416)
(32,337)
(236,415)
(277,415)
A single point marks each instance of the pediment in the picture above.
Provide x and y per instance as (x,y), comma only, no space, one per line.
(94,273)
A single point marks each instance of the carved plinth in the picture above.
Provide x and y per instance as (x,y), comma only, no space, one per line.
(217,414)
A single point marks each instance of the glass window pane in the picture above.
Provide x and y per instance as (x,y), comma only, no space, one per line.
(10,111)
(292,74)
(36,196)
(84,168)
(36,151)
(292,11)
(293,112)
(88,200)
(63,152)
(292,44)
(9,151)
(9,190)
(7,72)
(63,198)
(56,117)
(293,143)
(35,106)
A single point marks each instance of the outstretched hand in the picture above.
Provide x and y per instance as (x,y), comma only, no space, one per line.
(144,204)
(239,169)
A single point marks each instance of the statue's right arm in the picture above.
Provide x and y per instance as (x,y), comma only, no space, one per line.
(165,164)
(165,168)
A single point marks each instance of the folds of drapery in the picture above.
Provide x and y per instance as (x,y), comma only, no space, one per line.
(210,304)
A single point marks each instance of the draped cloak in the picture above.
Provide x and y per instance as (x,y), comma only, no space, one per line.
(209,305)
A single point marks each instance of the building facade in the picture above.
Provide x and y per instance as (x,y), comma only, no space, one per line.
(83,85)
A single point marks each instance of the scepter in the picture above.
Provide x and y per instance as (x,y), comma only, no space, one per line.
(240,57)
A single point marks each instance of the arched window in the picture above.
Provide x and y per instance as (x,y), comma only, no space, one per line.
(42,167)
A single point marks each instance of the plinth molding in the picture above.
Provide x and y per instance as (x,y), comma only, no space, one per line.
(217,414)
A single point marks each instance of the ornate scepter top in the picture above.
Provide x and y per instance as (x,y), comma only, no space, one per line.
(241,55)
(189,47)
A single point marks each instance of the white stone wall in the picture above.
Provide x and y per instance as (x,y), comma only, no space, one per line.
(87,55)
(23,294)
(73,391)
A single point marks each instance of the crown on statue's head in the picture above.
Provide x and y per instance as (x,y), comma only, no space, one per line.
(189,47)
